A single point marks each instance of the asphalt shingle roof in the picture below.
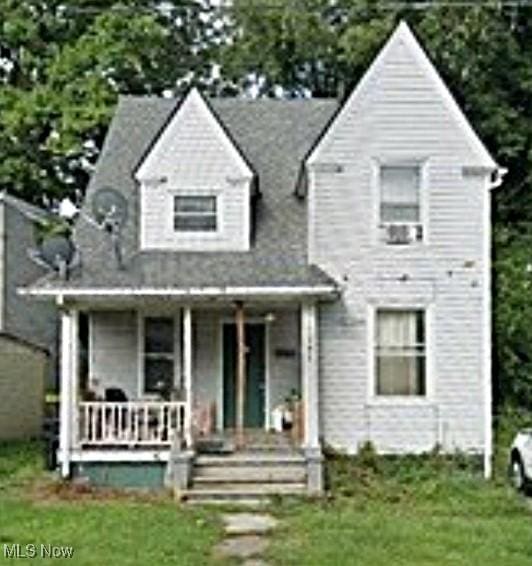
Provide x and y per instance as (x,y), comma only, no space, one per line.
(273,135)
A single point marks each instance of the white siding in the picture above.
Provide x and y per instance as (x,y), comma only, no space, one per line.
(194,156)
(400,114)
(284,357)
(113,354)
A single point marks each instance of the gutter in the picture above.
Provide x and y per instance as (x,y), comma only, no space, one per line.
(330,291)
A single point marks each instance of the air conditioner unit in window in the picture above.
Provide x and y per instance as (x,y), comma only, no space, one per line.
(403,233)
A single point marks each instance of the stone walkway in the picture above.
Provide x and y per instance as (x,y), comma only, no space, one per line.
(246,537)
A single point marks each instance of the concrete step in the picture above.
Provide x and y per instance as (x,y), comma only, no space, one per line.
(238,474)
(242,492)
(250,459)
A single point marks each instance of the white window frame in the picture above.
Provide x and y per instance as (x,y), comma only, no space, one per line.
(141,326)
(372,397)
(195,236)
(198,194)
(422,163)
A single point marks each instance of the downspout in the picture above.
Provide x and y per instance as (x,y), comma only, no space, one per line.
(495,180)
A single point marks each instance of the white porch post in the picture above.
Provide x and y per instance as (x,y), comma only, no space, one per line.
(187,371)
(309,370)
(68,392)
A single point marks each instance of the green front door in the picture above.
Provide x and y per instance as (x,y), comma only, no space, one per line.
(255,374)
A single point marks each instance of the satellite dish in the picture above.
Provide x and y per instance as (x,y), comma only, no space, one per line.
(55,252)
(109,208)
(109,211)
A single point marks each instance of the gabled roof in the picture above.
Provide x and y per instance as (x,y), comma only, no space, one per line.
(171,128)
(22,341)
(275,136)
(403,34)
(28,210)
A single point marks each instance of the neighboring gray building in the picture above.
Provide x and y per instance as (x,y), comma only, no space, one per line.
(349,246)
(33,321)
(28,328)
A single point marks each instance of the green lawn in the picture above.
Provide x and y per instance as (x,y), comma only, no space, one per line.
(411,511)
(108,528)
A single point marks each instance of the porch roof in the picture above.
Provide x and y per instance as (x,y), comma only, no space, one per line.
(160,274)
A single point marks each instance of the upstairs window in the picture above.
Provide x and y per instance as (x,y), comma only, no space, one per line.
(400,204)
(195,213)
(400,353)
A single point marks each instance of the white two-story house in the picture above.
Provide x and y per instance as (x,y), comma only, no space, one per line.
(295,274)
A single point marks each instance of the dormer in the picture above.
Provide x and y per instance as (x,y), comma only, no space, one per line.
(195,185)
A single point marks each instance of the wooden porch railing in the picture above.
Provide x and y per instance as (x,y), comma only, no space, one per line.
(144,423)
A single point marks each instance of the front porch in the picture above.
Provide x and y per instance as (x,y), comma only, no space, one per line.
(147,384)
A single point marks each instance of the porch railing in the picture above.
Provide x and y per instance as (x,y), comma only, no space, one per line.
(145,423)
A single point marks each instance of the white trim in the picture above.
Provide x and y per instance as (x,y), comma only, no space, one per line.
(193,98)
(407,160)
(310,374)
(211,292)
(187,372)
(195,236)
(66,393)
(403,400)
(267,375)
(404,34)
(113,455)
(486,322)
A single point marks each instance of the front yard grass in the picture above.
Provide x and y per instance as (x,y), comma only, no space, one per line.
(102,527)
(410,511)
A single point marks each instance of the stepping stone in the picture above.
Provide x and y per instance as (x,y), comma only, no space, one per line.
(248,523)
(255,562)
(242,546)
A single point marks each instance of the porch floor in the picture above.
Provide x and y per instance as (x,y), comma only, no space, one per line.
(254,440)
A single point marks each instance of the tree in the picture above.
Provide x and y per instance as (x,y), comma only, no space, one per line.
(63,67)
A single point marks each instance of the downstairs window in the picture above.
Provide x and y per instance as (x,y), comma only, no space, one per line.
(400,353)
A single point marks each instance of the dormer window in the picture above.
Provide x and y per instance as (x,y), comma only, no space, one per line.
(196,213)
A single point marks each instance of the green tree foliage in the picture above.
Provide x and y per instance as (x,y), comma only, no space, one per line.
(483,51)
(62,67)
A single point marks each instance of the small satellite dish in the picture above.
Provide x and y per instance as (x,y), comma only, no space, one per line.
(109,208)
(109,211)
(55,252)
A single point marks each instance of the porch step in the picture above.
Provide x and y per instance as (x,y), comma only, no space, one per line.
(247,476)
(245,492)
(250,459)
(246,473)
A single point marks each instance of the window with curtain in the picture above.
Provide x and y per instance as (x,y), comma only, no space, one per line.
(159,355)
(195,213)
(400,194)
(400,352)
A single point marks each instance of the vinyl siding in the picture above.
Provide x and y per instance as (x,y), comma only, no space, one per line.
(194,156)
(113,355)
(400,115)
